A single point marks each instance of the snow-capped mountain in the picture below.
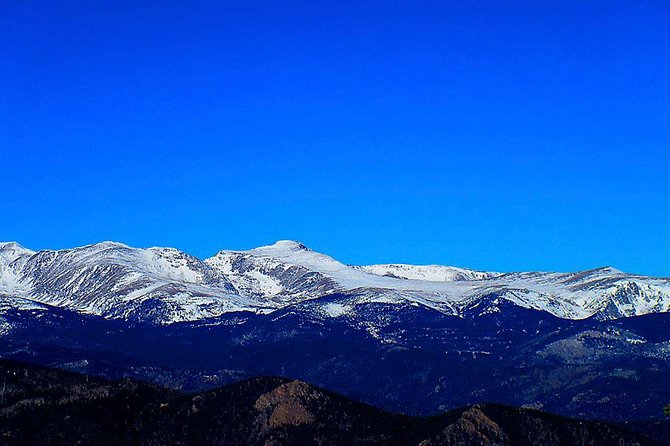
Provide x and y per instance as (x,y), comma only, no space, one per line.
(290,272)
(164,285)
(285,272)
(115,281)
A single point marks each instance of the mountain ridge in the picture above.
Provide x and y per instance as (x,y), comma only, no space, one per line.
(166,285)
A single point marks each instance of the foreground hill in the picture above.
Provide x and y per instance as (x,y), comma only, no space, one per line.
(43,406)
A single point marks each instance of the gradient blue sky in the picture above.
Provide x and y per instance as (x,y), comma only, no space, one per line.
(503,135)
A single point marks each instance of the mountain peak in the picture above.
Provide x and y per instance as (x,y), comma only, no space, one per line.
(10,245)
(608,270)
(13,250)
(291,245)
(106,245)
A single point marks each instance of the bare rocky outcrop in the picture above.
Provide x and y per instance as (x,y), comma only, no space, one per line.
(472,428)
(287,405)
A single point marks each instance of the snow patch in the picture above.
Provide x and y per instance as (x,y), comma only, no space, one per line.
(335,309)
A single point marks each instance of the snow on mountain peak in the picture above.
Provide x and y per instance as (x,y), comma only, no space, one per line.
(10,245)
(12,258)
(283,245)
(105,245)
(609,270)
(10,251)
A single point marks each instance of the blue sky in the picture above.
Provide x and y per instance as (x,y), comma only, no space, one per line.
(501,135)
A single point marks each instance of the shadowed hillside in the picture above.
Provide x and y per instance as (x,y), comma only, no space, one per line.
(44,406)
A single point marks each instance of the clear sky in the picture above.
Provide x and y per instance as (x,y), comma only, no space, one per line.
(503,135)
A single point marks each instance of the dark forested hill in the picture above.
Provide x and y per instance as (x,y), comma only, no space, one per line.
(44,406)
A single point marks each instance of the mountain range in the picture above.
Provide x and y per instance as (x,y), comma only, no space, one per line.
(165,285)
(413,339)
